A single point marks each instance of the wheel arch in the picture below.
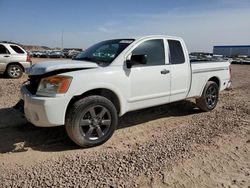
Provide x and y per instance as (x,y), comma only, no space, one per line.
(216,80)
(15,63)
(107,93)
(206,80)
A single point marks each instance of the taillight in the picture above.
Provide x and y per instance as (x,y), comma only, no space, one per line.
(28,57)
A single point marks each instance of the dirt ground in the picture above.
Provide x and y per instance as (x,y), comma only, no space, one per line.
(172,145)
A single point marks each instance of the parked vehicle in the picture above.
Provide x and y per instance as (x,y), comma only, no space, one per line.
(230,60)
(73,53)
(113,77)
(241,59)
(13,60)
(39,54)
(56,54)
(31,53)
(247,60)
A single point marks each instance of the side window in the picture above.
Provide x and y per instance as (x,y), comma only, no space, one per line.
(3,50)
(176,52)
(17,49)
(154,49)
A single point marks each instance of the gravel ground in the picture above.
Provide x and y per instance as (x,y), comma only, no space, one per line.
(167,146)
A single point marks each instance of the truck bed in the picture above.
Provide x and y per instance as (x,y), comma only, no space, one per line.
(203,70)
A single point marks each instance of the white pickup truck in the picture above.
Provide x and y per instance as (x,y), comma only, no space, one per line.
(113,77)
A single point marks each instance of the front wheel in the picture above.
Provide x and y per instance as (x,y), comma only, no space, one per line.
(209,97)
(91,121)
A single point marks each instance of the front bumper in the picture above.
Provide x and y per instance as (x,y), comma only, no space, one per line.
(44,111)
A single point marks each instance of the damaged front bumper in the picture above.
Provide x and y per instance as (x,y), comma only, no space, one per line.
(43,111)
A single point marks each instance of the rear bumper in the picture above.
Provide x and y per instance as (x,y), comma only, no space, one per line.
(26,64)
(229,85)
(44,111)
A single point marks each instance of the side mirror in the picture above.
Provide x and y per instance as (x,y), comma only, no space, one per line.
(136,60)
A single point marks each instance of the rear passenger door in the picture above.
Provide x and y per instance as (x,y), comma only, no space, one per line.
(19,54)
(180,70)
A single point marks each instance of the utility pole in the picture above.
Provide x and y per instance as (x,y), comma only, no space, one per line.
(62,39)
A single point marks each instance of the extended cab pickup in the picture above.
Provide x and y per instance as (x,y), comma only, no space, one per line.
(113,77)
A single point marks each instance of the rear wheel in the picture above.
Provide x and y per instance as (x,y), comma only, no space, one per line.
(91,121)
(14,71)
(209,98)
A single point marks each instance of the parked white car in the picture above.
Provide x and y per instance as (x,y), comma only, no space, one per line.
(114,77)
(13,60)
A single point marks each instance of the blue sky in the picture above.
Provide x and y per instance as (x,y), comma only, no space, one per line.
(202,24)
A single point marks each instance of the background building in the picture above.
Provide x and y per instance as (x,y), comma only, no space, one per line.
(232,51)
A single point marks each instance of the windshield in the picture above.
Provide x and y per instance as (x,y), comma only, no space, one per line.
(104,52)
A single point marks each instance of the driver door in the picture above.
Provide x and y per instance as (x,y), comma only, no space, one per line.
(150,83)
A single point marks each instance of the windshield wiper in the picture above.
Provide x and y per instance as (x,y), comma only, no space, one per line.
(87,59)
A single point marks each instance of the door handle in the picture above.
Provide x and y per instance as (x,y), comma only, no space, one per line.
(6,56)
(165,71)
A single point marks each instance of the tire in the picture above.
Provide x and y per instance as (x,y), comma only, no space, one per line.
(14,71)
(209,97)
(91,121)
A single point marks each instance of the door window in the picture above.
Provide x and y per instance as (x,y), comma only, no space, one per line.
(176,52)
(154,49)
(3,50)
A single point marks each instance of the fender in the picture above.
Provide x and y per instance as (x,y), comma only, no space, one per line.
(113,88)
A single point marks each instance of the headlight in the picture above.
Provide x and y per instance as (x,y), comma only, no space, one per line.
(54,85)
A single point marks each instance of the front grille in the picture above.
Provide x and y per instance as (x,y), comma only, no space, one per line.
(33,84)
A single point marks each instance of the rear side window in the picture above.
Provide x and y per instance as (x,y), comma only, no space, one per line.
(17,49)
(154,49)
(176,52)
(3,50)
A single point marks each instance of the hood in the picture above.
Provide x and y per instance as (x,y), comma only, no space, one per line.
(51,66)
